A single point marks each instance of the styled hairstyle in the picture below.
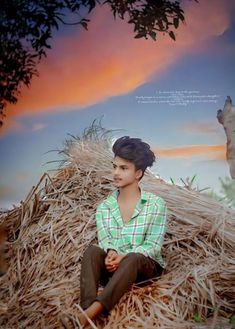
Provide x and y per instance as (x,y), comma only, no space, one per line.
(134,150)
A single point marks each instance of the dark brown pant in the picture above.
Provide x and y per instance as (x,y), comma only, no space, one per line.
(134,267)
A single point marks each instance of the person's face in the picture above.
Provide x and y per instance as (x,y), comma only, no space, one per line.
(124,172)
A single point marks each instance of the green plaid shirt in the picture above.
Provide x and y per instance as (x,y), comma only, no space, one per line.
(143,233)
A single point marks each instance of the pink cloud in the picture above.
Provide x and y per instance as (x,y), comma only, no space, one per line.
(90,67)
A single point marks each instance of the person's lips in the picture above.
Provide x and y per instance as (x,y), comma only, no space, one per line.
(116,179)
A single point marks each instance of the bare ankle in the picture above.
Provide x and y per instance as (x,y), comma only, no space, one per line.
(83,319)
(94,310)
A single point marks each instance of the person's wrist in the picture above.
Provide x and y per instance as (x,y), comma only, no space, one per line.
(111,250)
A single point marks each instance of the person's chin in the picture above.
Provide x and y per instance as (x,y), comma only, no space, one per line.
(117,183)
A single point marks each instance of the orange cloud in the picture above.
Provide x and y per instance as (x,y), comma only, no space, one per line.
(210,127)
(22,176)
(5,191)
(215,152)
(91,66)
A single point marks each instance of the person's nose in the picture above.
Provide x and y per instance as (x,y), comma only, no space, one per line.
(116,171)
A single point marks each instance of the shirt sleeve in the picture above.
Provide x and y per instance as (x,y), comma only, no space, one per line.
(151,247)
(104,237)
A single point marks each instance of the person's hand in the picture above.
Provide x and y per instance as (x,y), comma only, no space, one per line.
(111,255)
(112,261)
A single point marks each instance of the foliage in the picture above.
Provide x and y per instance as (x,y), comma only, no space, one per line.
(26,28)
(188,183)
(232,321)
(226,195)
(227,192)
(197,318)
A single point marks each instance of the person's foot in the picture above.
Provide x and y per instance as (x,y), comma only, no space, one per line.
(82,320)
(69,322)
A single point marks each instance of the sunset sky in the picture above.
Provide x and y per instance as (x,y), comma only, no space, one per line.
(165,92)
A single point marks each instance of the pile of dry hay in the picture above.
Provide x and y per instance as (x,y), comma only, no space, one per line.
(50,230)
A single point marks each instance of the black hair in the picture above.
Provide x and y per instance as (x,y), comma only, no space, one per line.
(134,150)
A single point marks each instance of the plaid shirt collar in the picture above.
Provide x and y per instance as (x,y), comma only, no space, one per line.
(112,204)
(112,199)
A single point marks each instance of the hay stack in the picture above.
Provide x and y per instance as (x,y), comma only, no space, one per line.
(50,230)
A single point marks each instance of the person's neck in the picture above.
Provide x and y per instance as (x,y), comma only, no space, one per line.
(130,192)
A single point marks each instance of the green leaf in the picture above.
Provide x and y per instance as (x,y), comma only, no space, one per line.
(153,35)
(193,178)
(140,35)
(232,319)
(172,35)
(197,318)
(84,24)
(91,4)
(181,16)
(176,22)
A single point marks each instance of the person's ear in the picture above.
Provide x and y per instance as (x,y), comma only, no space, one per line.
(139,174)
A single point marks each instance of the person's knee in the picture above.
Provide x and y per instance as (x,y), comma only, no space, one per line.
(134,258)
(93,251)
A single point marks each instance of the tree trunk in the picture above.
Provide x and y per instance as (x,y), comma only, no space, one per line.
(227,119)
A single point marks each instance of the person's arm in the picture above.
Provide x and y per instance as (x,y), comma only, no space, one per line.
(104,237)
(153,241)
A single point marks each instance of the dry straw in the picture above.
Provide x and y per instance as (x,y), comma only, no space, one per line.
(48,233)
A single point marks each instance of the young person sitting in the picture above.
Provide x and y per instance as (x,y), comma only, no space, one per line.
(131,224)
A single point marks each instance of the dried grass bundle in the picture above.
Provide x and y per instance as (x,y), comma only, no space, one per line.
(48,233)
